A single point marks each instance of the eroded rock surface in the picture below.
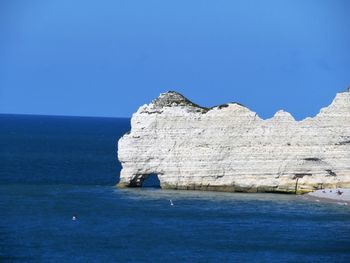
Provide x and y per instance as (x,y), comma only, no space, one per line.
(230,148)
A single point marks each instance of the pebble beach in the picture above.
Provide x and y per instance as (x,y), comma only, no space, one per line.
(339,195)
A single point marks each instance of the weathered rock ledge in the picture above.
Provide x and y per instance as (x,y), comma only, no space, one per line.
(230,148)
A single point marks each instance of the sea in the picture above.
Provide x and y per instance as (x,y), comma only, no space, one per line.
(54,168)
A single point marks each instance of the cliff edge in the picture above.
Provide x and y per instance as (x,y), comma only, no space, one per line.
(230,148)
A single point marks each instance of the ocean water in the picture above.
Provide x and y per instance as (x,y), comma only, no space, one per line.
(52,168)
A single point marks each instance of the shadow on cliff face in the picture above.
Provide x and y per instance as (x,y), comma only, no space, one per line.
(151,181)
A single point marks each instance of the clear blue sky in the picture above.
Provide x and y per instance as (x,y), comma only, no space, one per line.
(108,57)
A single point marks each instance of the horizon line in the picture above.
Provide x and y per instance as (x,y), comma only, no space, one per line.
(59,115)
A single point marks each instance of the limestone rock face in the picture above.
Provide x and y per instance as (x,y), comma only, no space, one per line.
(230,148)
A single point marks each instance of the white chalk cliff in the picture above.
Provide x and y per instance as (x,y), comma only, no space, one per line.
(230,148)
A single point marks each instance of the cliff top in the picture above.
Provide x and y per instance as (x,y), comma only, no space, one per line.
(173,98)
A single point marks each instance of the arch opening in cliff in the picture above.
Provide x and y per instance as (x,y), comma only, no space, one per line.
(150,181)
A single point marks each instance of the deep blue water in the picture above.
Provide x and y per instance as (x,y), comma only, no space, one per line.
(52,168)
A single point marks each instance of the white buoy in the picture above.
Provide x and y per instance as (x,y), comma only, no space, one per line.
(74,218)
(340,203)
(171,202)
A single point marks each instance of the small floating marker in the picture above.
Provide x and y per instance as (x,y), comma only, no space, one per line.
(171,202)
(340,203)
(74,218)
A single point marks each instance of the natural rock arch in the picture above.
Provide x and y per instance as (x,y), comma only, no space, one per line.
(139,180)
(151,181)
(230,148)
